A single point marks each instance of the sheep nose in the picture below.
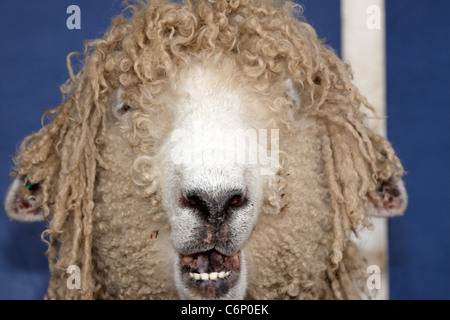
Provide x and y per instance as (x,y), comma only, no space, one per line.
(214,208)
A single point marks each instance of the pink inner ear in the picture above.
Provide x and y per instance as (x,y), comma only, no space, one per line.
(393,198)
(390,196)
(20,209)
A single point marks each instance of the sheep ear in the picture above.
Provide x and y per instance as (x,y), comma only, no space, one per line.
(21,201)
(391,201)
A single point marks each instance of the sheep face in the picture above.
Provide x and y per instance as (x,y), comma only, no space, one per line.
(212,199)
(204,173)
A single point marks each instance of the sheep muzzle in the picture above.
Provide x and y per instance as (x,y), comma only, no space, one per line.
(210,274)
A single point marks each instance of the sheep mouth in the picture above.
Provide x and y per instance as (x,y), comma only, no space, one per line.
(210,274)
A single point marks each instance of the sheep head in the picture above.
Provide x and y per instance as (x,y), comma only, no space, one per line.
(156,174)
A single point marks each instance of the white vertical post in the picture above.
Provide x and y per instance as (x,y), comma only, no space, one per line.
(363,46)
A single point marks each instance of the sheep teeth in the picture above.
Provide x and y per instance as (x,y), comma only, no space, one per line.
(213,276)
(209,276)
(204,276)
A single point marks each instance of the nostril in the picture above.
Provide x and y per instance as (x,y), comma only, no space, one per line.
(194,202)
(213,208)
(236,201)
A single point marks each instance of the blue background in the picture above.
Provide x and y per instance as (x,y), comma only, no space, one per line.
(35,42)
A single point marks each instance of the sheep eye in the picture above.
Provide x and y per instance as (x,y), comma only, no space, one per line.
(120,106)
(124,109)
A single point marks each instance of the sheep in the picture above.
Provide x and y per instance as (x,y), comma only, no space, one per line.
(133,176)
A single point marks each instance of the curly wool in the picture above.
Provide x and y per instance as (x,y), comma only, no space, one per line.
(329,151)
